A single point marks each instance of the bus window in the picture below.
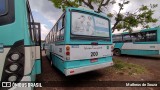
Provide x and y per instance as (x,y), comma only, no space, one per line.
(62,34)
(134,37)
(151,36)
(127,38)
(141,37)
(62,28)
(7,12)
(117,38)
(3,7)
(89,26)
(60,24)
(52,35)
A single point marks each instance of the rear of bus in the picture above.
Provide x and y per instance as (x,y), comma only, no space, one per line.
(19,55)
(88,41)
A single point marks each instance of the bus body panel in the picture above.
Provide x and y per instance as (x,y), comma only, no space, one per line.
(8,33)
(80,66)
(86,62)
(74,71)
(78,52)
(118,45)
(130,46)
(140,49)
(16,27)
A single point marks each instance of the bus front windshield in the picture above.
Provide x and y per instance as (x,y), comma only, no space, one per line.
(2,7)
(84,24)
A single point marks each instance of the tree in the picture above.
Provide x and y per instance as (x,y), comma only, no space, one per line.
(127,21)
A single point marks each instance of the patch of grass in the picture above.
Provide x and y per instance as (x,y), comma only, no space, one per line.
(122,67)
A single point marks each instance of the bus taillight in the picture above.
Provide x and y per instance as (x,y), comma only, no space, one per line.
(112,47)
(67,52)
(67,48)
(15,56)
(13,70)
(13,67)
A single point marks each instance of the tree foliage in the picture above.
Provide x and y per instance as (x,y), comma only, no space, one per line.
(127,21)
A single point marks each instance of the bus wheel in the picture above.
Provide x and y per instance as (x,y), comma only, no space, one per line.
(117,52)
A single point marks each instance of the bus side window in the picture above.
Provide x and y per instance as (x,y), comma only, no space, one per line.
(49,37)
(127,38)
(59,28)
(151,36)
(133,37)
(61,23)
(141,37)
(56,32)
(53,35)
(37,33)
(117,38)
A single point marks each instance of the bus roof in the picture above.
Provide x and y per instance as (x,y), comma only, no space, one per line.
(87,10)
(143,30)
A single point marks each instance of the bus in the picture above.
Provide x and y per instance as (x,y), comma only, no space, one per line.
(141,42)
(20,58)
(80,41)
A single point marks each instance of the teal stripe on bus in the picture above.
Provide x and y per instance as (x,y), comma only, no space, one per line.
(140,52)
(118,45)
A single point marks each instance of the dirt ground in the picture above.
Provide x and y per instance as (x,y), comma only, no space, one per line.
(152,64)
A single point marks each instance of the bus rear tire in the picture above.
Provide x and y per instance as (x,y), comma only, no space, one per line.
(117,52)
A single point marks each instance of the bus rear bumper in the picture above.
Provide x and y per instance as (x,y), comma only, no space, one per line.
(73,71)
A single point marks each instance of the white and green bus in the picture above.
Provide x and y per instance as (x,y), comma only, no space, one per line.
(142,42)
(80,41)
(20,58)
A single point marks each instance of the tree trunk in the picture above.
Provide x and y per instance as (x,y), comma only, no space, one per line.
(114,27)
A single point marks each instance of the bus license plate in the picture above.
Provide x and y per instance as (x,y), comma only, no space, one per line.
(93,60)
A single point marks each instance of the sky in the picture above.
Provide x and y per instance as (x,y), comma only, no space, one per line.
(44,12)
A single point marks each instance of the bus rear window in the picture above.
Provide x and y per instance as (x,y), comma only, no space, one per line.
(89,25)
(3,5)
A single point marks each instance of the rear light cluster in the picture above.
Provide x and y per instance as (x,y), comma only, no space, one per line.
(14,64)
(112,47)
(67,52)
